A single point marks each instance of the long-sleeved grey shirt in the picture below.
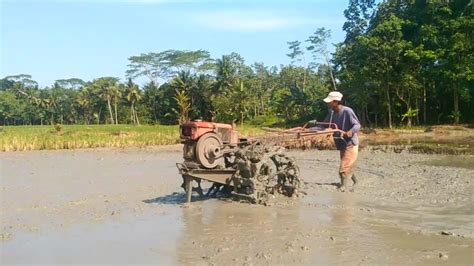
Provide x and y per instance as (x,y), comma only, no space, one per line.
(345,120)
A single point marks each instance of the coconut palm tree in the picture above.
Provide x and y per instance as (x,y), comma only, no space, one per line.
(204,96)
(133,96)
(225,72)
(83,104)
(108,91)
(116,94)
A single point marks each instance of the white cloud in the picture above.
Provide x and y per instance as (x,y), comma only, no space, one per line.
(245,20)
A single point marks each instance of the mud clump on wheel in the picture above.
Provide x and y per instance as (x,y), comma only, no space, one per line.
(263,172)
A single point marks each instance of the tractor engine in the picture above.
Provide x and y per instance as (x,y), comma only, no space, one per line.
(214,152)
(206,142)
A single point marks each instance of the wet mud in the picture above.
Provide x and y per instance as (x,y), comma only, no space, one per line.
(126,206)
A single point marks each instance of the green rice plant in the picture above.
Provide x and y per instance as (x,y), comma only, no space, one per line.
(24,138)
(20,138)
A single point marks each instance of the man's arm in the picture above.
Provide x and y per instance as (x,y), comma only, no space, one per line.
(355,124)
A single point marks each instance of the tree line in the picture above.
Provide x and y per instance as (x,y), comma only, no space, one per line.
(408,61)
(402,62)
(195,87)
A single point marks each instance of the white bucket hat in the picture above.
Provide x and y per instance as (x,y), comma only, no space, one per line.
(333,96)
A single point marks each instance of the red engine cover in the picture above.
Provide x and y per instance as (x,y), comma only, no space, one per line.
(192,130)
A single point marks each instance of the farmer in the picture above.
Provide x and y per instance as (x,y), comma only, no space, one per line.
(347,141)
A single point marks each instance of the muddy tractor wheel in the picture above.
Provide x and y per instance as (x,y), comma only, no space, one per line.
(209,150)
(264,171)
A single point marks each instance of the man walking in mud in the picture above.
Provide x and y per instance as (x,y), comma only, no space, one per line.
(347,142)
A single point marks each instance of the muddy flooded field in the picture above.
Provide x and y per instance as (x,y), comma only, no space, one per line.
(126,206)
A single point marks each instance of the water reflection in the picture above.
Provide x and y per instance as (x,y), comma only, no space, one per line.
(217,231)
(453,161)
(345,215)
(148,239)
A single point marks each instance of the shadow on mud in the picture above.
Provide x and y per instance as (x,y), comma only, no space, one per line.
(314,184)
(174,198)
(178,198)
(327,184)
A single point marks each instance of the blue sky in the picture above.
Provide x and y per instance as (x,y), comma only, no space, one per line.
(56,39)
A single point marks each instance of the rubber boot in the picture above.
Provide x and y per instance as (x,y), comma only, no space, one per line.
(354,180)
(344,183)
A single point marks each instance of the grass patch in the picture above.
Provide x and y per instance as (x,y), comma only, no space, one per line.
(249,131)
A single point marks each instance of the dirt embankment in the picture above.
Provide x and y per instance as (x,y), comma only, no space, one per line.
(125,206)
(432,140)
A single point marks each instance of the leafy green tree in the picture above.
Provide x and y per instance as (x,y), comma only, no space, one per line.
(167,63)
(457,63)
(151,100)
(318,46)
(408,55)
(189,61)
(409,115)
(23,80)
(233,103)
(72,83)
(262,83)
(358,15)
(296,54)
(150,65)
(10,108)
(203,96)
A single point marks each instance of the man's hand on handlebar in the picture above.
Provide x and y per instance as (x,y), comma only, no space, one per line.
(348,134)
